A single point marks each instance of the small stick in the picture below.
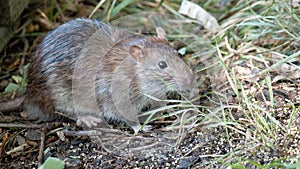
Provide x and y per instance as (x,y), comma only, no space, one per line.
(95,132)
(42,146)
(13,125)
(8,119)
(80,133)
(149,146)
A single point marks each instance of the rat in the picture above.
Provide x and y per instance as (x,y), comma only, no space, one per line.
(89,70)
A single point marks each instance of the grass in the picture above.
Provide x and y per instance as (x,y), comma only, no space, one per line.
(252,40)
(251,103)
(256,34)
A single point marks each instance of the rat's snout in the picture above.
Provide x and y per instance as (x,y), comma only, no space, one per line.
(193,93)
(189,79)
(186,80)
(189,85)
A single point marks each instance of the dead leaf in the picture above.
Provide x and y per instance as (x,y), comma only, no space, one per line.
(33,134)
(196,12)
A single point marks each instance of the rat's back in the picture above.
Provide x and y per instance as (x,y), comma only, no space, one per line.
(51,71)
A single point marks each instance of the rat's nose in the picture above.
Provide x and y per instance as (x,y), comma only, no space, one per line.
(189,78)
(191,85)
(193,93)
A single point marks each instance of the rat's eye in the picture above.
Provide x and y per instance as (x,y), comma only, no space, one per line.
(162,64)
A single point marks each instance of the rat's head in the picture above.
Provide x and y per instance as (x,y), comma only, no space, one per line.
(159,66)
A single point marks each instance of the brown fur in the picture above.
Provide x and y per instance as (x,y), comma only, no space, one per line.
(85,68)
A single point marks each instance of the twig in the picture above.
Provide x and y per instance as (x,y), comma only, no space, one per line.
(171,128)
(149,146)
(8,119)
(20,148)
(95,132)
(80,133)
(13,125)
(60,12)
(102,145)
(181,131)
(42,146)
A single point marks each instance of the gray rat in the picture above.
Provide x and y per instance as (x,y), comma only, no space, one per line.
(87,70)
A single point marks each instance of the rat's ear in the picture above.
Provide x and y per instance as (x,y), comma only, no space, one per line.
(136,52)
(161,34)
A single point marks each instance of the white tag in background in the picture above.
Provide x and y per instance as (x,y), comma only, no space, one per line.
(296,3)
(196,12)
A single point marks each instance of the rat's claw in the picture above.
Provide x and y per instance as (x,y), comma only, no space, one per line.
(138,127)
(147,128)
(89,121)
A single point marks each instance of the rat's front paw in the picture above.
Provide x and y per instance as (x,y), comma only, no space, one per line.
(147,128)
(137,128)
(89,121)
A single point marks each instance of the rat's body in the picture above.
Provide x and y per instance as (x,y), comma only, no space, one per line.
(87,69)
